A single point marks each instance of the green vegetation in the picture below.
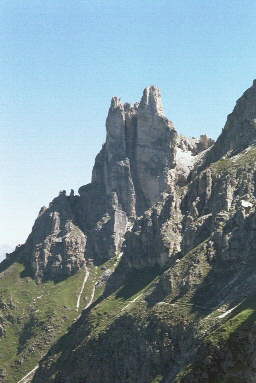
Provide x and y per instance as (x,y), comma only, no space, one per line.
(97,323)
(230,338)
(244,159)
(133,290)
(157,379)
(243,315)
(33,316)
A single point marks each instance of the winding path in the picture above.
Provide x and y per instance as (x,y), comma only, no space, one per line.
(131,302)
(82,288)
(89,303)
(91,299)
(27,378)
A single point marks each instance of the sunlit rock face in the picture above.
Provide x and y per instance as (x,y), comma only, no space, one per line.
(55,248)
(178,304)
(133,170)
(140,163)
(137,158)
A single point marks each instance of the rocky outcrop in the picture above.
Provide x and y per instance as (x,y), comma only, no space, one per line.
(134,167)
(140,163)
(56,247)
(154,151)
(136,161)
(155,237)
(180,215)
(131,172)
(240,129)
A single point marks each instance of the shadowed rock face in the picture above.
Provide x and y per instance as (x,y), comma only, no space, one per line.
(180,300)
(140,163)
(240,128)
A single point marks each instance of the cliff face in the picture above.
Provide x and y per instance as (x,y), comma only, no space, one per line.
(140,163)
(240,129)
(189,245)
(166,230)
(57,244)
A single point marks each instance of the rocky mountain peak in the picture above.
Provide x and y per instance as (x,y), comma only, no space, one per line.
(142,141)
(179,293)
(240,129)
(141,161)
(152,101)
(245,108)
(116,103)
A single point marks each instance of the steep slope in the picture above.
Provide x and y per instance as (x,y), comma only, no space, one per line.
(44,282)
(56,243)
(152,324)
(141,161)
(228,354)
(168,227)
(35,315)
(240,129)
(187,262)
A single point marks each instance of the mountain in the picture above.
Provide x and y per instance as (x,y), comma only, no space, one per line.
(5,248)
(142,159)
(147,275)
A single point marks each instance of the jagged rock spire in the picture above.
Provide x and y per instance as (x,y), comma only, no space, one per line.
(140,139)
(152,101)
(134,170)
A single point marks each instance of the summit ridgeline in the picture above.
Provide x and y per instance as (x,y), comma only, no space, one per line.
(148,274)
(141,161)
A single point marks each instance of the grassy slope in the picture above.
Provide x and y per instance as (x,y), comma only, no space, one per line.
(129,301)
(170,311)
(122,301)
(231,339)
(242,160)
(52,314)
(239,323)
(34,316)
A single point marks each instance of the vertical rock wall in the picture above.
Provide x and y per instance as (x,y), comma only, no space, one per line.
(136,168)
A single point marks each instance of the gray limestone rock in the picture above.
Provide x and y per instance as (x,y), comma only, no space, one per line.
(240,129)
(155,237)
(155,148)
(135,173)
(56,246)
(183,206)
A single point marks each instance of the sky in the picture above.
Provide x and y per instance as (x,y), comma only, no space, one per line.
(62,61)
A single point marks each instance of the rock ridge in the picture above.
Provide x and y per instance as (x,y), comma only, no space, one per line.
(171,222)
(240,129)
(139,165)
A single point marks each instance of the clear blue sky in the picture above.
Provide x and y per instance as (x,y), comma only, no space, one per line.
(61,62)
